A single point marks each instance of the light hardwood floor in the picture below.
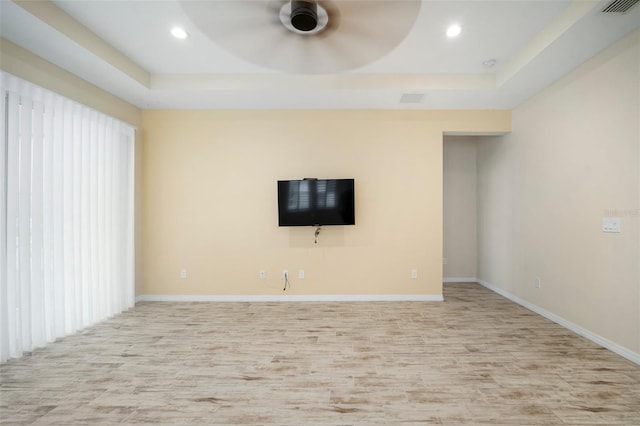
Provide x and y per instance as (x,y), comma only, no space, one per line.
(476,358)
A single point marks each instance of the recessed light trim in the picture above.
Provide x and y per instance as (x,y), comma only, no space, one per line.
(454,30)
(179,33)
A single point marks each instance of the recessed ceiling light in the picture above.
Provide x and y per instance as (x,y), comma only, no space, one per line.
(180,33)
(454,30)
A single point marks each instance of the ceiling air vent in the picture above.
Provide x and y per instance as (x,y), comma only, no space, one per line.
(619,6)
(411,98)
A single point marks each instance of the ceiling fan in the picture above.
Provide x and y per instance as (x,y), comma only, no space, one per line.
(305,36)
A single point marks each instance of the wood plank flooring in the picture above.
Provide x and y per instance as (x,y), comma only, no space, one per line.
(476,358)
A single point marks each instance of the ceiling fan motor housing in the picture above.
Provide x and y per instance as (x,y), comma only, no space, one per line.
(304,15)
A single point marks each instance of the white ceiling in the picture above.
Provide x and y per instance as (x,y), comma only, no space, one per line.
(125,48)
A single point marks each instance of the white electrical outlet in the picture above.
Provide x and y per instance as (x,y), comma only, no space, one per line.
(183,273)
(301,274)
(444,260)
(537,282)
(414,274)
(262,274)
(611,224)
(285,273)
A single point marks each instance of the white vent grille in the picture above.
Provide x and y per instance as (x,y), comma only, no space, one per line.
(411,98)
(619,6)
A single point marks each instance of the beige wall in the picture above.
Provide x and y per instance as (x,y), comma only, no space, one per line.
(543,190)
(459,206)
(210,205)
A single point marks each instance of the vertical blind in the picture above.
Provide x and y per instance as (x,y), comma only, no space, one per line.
(66,218)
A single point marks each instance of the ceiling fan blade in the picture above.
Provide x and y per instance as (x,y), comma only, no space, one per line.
(367,32)
(358,32)
(221,19)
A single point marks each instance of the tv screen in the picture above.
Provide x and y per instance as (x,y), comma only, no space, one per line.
(316,202)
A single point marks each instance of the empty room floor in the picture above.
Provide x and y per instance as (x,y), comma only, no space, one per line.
(475,358)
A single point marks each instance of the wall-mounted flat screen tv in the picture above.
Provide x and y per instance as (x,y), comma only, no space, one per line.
(316,202)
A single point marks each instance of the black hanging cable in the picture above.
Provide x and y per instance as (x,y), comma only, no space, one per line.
(286,281)
(317,233)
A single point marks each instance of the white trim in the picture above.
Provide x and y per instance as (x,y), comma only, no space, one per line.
(476,133)
(460,280)
(606,343)
(291,298)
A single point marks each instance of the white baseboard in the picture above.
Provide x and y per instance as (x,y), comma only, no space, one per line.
(459,280)
(293,298)
(606,343)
